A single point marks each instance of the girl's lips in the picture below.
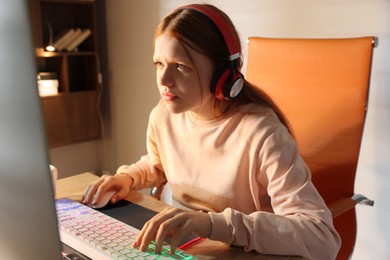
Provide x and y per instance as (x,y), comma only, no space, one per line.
(167,96)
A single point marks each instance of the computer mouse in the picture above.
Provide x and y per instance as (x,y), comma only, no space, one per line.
(103,201)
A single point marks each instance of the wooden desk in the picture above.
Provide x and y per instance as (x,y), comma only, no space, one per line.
(73,187)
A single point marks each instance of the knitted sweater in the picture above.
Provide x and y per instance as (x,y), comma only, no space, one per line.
(243,168)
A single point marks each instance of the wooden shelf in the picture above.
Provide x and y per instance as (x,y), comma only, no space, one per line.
(72,118)
(73,115)
(47,54)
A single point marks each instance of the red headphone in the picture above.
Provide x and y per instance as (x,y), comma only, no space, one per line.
(227,81)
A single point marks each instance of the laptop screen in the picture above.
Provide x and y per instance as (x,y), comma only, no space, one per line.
(28,223)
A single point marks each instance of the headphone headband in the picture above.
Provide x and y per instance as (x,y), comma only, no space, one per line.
(227,81)
(219,21)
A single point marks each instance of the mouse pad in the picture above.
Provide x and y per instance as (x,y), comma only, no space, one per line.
(129,213)
(134,215)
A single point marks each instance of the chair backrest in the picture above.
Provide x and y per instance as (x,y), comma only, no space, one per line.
(321,85)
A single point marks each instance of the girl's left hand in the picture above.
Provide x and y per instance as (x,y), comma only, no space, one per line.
(175,223)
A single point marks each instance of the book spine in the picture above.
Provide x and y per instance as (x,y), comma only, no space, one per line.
(78,40)
(57,43)
(68,40)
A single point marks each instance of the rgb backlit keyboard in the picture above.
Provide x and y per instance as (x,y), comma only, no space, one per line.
(99,236)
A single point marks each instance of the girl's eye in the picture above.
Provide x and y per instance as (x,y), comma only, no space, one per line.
(181,66)
(158,64)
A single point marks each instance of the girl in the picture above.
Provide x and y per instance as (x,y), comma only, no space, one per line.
(225,149)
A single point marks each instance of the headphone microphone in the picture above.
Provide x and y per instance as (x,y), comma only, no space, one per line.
(227,81)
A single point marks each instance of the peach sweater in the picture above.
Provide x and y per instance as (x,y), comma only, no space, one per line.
(245,170)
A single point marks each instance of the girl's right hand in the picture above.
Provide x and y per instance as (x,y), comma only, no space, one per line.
(119,183)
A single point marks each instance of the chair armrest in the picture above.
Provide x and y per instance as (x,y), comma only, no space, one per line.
(344,204)
(341,206)
(360,199)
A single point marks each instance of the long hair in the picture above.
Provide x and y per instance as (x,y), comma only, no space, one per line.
(197,31)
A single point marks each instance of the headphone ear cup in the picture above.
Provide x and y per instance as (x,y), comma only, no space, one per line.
(218,81)
(227,82)
(234,84)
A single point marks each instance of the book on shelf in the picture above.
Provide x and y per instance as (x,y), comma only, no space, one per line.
(78,40)
(61,37)
(68,40)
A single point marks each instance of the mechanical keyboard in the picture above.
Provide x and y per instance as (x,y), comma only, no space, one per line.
(101,237)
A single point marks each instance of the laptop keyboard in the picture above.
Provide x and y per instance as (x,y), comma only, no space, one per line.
(99,236)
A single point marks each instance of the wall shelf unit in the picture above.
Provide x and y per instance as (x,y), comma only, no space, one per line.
(72,115)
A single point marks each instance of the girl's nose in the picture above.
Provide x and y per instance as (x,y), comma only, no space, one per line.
(165,78)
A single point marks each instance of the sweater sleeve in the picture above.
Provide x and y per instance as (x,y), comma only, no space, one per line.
(144,174)
(301,224)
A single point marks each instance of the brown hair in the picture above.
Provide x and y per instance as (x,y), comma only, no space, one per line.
(196,30)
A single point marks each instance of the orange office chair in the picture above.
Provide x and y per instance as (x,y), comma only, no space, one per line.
(321,85)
